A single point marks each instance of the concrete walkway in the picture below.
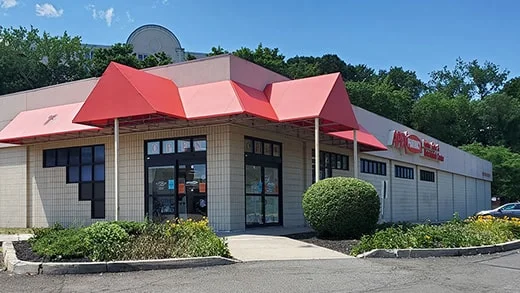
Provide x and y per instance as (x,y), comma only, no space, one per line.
(14,237)
(267,244)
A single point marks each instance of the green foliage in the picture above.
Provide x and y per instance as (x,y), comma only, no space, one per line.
(57,243)
(217,51)
(31,60)
(456,233)
(125,240)
(105,241)
(269,58)
(341,207)
(450,120)
(382,99)
(506,169)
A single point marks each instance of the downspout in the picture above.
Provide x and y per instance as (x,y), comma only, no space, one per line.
(116,168)
(316,149)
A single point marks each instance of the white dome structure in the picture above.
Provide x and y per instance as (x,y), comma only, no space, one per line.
(150,39)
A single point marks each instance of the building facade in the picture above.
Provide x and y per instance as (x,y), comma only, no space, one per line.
(150,39)
(221,138)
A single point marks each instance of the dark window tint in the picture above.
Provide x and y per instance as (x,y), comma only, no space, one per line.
(99,172)
(199,145)
(86,155)
(99,190)
(98,209)
(427,176)
(99,154)
(85,191)
(73,174)
(74,156)
(62,157)
(49,158)
(372,167)
(404,172)
(86,173)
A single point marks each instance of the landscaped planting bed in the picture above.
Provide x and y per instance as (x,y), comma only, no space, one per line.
(474,231)
(108,241)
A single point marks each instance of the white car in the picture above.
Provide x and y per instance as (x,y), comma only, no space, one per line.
(507,210)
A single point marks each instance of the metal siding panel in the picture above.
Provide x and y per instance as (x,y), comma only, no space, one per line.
(427,197)
(471,196)
(445,187)
(404,196)
(459,194)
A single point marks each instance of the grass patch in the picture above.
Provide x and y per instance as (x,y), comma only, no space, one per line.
(474,231)
(106,241)
(11,231)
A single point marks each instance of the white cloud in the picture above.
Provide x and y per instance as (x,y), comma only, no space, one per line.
(6,4)
(129,17)
(48,10)
(106,15)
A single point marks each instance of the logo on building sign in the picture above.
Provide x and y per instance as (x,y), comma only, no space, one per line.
(411,143)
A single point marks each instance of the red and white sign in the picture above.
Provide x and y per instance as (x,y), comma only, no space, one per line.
(411,143)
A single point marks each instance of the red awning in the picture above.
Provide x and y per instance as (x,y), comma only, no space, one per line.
(365,139)
(124,92)
(224,98)
(43,122)
(323,97)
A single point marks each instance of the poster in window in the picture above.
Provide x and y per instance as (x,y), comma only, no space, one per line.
(182,188)
(267,149)
(258,147)
(276,150)
(248,146)
(154,148)
(168,146)
(202,187)
(199,145)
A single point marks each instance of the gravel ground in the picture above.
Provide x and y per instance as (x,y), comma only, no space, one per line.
(24,252)
(343,246)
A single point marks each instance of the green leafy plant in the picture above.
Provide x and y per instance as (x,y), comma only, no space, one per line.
(341,207)
(58,243)
(105,241)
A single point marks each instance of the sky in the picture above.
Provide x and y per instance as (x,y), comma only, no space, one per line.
(417,35)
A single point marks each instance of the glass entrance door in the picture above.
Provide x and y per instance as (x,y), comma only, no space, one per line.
(192,193)
(161,193)
(262,195)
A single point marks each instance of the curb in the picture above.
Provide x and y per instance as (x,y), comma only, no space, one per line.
(17,266)
(440,252)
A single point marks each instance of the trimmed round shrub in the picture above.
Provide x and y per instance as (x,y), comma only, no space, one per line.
(105,241)
(341,207)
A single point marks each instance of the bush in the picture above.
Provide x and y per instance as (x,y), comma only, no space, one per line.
(197,239)
(105,241)
(131,228)
(58,243)
(456,233)
(341,207)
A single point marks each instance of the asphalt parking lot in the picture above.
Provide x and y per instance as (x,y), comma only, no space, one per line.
(497,273)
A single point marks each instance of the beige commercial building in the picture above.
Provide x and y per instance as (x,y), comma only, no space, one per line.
(221,138)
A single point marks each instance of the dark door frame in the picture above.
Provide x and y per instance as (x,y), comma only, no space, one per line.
(265,162)
(174,159)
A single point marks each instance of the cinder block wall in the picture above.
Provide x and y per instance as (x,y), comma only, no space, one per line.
(13,187)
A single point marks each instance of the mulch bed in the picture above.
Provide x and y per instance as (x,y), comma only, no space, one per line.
(340,245)
(24,252)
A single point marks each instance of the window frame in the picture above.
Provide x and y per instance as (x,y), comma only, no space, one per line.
(372,167)
(403,172)
(427,176)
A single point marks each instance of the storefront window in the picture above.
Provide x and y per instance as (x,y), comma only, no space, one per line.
(248,145)
(168,146)
(271,180)
(153,148)
(183,145)
(253,179)
(199,144)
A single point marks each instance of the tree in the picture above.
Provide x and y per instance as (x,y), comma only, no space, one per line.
(29,60)
(300,67)
(190,57)
(401,79)
(382,99)
(157,59)
(120,53)
(447,119)
(469,79)
(512,88)
(359,72)
(506,169)
(269,58)
(487,79)
(124,54)
(217,51)
(499,121)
